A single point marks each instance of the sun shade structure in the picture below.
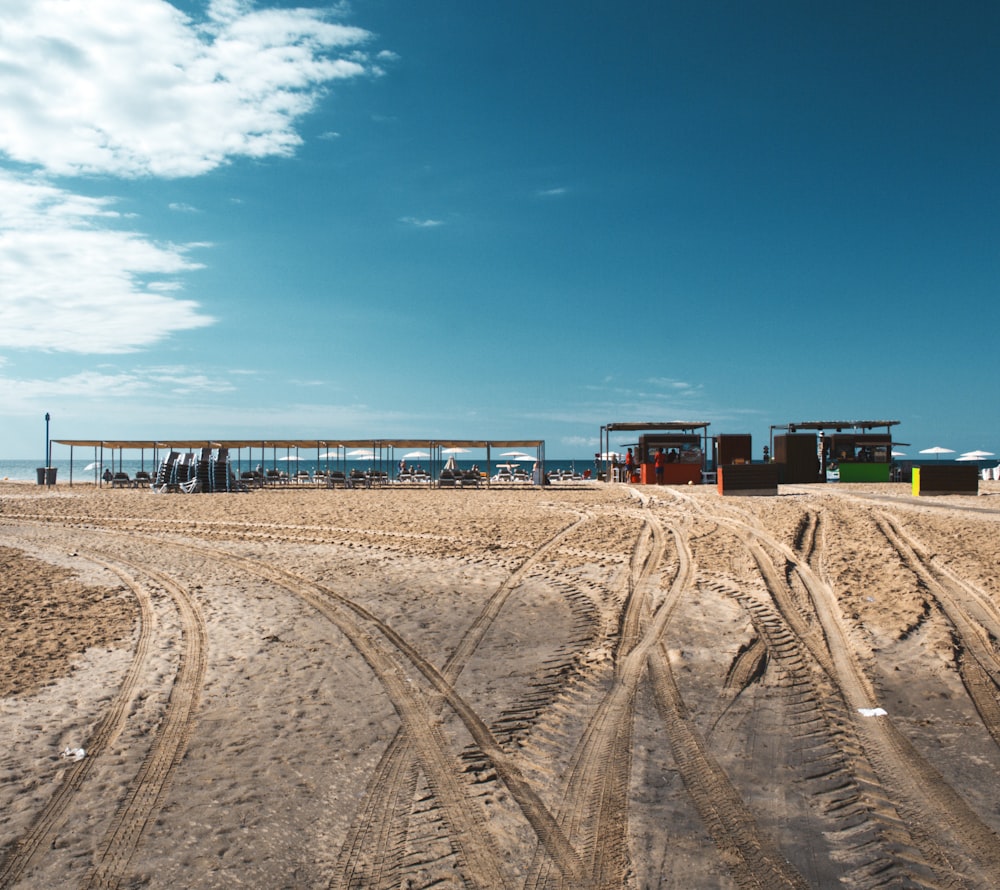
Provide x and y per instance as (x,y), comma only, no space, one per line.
(380,453)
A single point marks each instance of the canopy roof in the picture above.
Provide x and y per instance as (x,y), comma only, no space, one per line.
(666,425)
(139,444)
(836,425)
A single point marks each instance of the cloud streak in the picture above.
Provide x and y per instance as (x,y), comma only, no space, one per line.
(421,223)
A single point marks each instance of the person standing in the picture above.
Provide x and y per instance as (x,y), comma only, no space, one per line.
(629,465)
(658,463)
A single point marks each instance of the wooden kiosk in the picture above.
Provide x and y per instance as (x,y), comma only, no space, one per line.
(856,448)
(684,446)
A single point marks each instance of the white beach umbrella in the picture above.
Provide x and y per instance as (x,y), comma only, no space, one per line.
(362,454)
(976,455)
(899,454)
(455,450)
(937,451)
(91,466)
(416,455)
(290,457)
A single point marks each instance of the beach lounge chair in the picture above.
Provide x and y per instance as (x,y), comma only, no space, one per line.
(203,471)
(335,478)
(121,480)
(165,474)
(142,479)
(184,469)
(221,477)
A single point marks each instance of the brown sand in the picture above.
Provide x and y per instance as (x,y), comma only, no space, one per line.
(569,687)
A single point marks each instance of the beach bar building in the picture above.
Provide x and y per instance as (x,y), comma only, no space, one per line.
(684,444)
(860,450)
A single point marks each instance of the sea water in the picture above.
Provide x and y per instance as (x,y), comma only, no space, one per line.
(85,468)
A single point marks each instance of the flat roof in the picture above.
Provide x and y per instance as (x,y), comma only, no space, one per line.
(139,444)
(836,425)
(666,425)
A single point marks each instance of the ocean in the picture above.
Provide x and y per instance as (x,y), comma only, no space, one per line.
(86,469)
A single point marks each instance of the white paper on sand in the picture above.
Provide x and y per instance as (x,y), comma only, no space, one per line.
(873,712)
(74,754)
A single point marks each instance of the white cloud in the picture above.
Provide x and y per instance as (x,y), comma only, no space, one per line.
(108,385)
(74,283)
(678,387)
(421,223)
(134,87)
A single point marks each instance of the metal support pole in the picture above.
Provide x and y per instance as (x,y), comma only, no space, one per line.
(48,448)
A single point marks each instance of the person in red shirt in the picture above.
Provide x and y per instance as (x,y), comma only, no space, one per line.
(629,465)
(658,463)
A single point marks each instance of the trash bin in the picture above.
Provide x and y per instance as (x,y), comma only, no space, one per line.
(46,475)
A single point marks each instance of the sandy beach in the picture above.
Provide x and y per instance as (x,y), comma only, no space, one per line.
(588,686)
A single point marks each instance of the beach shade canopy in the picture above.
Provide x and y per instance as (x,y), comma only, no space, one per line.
(976,455)
(362,454)
(937,450)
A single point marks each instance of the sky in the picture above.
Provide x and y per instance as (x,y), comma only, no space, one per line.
(439,219)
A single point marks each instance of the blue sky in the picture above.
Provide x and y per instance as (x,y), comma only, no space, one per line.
(519,220)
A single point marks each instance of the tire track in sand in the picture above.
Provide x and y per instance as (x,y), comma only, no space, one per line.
(954,839)
(754,861)
(976,658)
(595,796)
(389,655)
(147,790)
(44,829)
(369,856)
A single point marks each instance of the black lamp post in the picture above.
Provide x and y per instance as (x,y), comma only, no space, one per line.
(48,452)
